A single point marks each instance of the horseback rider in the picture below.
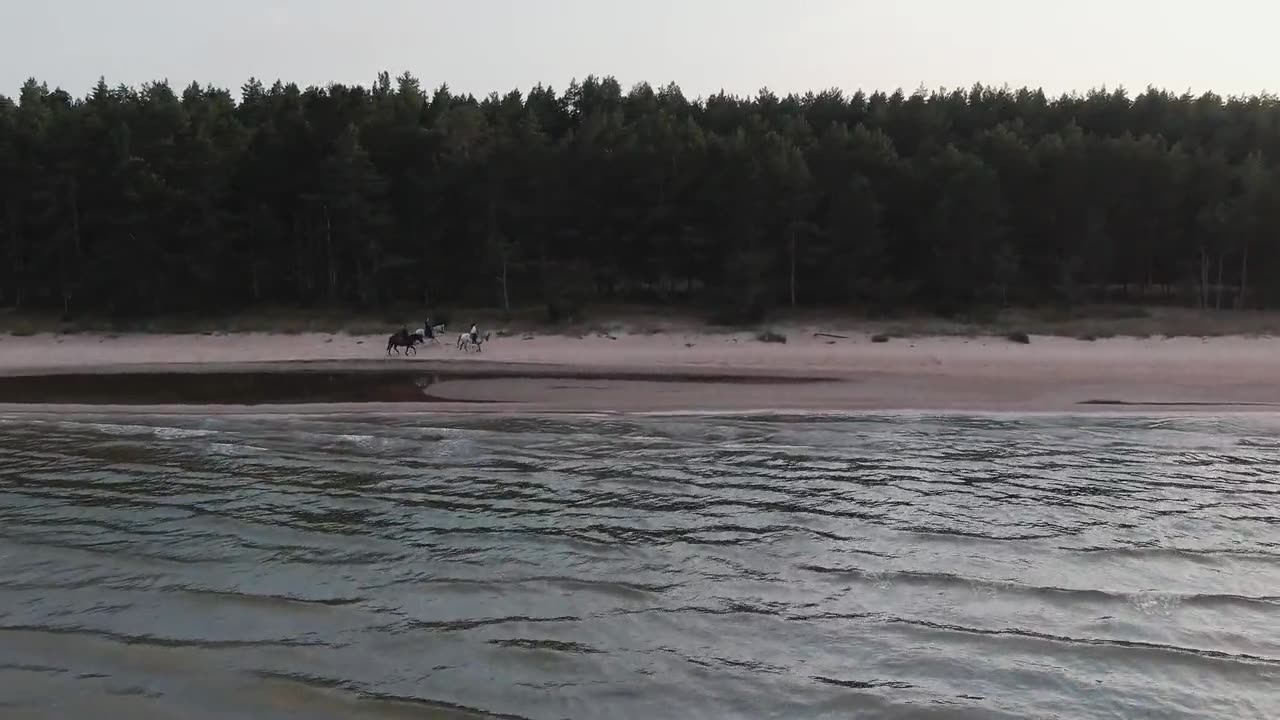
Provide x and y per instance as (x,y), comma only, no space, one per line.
(475,334)
(428,332)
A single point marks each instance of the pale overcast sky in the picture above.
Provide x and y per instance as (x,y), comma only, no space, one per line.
(480,46)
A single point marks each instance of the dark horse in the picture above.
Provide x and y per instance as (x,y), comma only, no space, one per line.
(403,339)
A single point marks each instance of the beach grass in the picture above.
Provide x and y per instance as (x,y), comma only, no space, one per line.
(1095,322)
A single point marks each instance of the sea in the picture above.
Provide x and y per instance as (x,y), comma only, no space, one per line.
(639,566)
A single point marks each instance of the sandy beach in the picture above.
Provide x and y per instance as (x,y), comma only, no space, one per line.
(672,372)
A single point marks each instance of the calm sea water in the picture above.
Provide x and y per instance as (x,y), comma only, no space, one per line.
(675,567)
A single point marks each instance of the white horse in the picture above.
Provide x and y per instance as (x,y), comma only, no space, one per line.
(436,332)
(466,345)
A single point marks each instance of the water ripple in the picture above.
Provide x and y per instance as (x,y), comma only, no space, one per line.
(697,567)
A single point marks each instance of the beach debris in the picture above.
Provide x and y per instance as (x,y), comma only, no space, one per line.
(1019,337)
(880,339)
(769,336)
(831,335)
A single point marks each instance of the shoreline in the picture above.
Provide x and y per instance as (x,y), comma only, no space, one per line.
(15,413)
(649,373)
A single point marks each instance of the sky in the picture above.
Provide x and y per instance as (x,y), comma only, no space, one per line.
(740,46)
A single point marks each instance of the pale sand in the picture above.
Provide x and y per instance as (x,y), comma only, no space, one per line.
(638,372)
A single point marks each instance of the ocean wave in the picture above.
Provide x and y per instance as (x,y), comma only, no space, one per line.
(788,566)
(1144,600)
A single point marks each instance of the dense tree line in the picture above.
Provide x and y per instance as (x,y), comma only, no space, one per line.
(135,201)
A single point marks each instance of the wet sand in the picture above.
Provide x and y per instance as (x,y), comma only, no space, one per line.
(636,373)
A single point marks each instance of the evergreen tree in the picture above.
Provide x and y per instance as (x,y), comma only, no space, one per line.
(145,200)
